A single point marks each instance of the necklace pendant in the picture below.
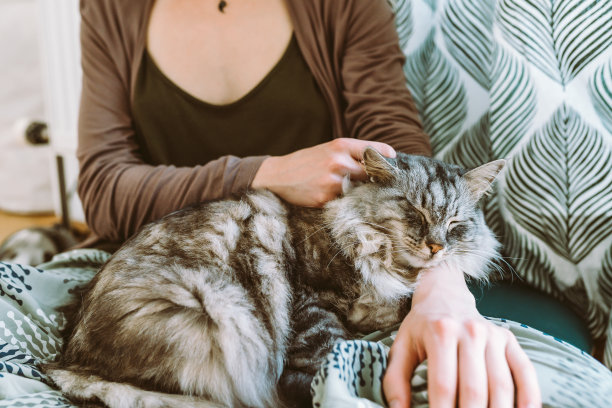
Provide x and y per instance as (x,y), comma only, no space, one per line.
(222,5)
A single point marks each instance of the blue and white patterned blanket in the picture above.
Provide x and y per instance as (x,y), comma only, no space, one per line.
(30,327)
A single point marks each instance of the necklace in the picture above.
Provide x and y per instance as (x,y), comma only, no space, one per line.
(222,5)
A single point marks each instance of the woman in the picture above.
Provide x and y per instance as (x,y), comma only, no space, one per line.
(192,100)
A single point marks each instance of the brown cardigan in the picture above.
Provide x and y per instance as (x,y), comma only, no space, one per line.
(351,47)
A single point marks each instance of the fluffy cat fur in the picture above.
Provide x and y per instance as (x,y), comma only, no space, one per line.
(237,302)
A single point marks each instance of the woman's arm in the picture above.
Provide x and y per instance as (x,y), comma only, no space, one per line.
(378,104)
(120,192)
(471,362)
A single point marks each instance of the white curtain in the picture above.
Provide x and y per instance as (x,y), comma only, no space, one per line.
(59,39)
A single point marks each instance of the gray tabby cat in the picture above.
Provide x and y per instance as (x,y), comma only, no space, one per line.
(229,302)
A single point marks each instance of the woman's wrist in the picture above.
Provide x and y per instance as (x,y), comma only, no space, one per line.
(445,286)
(265,174)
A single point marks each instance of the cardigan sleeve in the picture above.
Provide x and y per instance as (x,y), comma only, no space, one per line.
(378,105)
(119,191)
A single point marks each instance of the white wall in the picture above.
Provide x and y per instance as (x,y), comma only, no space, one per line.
(40,79)
(20,75)
(25,179)
(62,83)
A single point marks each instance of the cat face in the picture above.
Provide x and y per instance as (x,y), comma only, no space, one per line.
(427,209)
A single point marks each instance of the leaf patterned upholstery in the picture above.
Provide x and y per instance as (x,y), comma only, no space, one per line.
(529,81)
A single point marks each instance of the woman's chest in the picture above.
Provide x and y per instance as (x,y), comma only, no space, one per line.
(218,57)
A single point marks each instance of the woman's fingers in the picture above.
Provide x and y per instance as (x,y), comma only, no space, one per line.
(402,362)
(347,155)
(473,388)
(355,147)
(501,387)
(524,374)
(471,361)
(441,346)
(342,164)
(470,364)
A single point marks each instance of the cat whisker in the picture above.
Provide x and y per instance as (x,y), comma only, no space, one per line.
(325,225)
(489,261)
(342,249)
(402,251)
(376,225)
(486,255)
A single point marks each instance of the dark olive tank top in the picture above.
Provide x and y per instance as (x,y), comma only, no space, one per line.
(283,113)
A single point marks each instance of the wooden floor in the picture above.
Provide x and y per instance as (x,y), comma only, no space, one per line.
(10,223)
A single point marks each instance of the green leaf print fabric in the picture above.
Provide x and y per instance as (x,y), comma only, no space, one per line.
(529,81)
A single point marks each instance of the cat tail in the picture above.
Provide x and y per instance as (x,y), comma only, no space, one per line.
(85,387)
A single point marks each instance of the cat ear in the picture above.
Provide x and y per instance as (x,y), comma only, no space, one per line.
(479,180)
(377,167)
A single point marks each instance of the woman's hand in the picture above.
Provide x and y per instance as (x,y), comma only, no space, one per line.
(471,362)
(313,176)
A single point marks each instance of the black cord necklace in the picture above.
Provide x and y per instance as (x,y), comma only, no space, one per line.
(222,5)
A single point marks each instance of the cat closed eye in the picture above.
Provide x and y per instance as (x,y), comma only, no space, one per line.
(414,214)
(453,224)
(457,230)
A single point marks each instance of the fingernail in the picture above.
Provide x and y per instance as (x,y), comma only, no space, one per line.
(396,404)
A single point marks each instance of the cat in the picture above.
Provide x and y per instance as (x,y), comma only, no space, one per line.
(237,302)
(35,245)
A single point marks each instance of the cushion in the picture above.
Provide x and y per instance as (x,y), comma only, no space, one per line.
(528,81)
(517,301)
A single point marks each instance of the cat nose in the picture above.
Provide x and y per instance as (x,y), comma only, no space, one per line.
(434,248)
